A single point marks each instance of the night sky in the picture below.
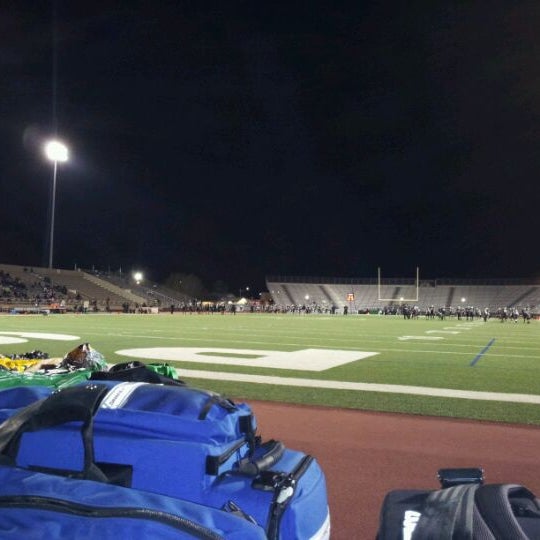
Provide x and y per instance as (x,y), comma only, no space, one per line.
(234,140)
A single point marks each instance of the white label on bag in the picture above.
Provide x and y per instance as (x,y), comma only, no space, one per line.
(117,397)
(410,520)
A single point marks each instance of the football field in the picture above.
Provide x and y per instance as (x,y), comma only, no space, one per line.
(467,369)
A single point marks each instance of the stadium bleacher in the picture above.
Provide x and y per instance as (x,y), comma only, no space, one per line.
(28,287)
(73,289)
(371,295)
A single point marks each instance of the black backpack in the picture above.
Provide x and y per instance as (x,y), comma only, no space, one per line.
(134,372)
(463,509)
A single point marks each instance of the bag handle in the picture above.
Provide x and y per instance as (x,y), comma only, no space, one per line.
(273,453)
(73,404)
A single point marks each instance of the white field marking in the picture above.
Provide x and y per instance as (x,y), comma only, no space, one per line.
(458,327)
(40,335)
(361,387)
(7,340)
(305,359)
(441,332)
(426,338)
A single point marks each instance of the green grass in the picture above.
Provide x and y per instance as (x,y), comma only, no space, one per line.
(510,365)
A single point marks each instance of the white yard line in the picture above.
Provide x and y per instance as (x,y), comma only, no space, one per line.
(363,387)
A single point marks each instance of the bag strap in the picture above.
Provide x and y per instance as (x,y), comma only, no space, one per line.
(447,514)
(216,399)
(77,403)
(494,504)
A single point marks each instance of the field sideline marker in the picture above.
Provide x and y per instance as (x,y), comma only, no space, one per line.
(364,387)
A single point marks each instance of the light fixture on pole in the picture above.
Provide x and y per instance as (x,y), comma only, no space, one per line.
(243,289)
(55,152)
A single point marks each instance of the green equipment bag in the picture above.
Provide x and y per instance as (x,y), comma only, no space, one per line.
(60,379)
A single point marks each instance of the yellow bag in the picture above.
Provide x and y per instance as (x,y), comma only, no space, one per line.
(16,365)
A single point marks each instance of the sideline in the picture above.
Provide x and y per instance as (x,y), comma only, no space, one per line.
(364,387)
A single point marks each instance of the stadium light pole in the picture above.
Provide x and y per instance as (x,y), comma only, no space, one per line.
(243,289)
(55,152)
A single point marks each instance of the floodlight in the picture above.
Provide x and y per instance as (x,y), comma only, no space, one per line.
(56,151)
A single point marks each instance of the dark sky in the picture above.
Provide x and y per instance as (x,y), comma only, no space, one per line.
(239,139)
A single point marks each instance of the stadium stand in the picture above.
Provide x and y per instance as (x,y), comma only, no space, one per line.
(62,289)
(66,289)
(36,288)
(154,294)
(31,289)
(369,294)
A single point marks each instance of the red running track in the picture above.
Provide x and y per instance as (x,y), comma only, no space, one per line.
(366,454)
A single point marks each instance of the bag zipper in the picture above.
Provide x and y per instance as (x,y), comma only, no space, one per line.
(283,493)
(77,509)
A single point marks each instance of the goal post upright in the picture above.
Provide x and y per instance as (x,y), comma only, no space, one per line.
(401,299)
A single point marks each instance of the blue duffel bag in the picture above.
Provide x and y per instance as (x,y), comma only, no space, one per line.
(15,398)
(35,505)
(177,441)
